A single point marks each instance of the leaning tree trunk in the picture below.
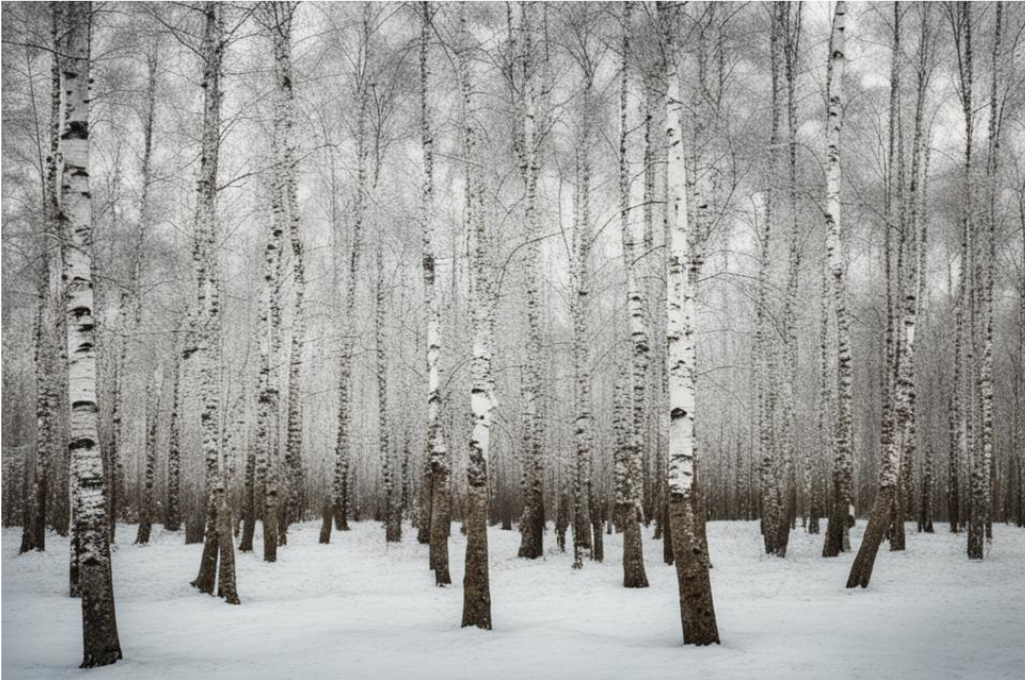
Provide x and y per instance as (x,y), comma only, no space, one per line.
(101,645)
(697,609)
(841,519)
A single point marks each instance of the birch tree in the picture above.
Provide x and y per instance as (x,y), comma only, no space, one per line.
(207,316)
(842,516)
(476,581)
(437,482)
(628,502)
(101,645)
(49,316)
(697,610)
(528,138)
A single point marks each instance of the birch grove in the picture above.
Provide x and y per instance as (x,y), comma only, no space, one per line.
(510,287)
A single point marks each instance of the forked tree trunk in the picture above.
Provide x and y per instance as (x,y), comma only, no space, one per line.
(207,312)
(101,645)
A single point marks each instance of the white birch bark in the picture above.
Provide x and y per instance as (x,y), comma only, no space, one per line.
(696,605)
(842,516)
(99,625)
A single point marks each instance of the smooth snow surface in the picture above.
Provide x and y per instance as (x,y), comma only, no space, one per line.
(359,608)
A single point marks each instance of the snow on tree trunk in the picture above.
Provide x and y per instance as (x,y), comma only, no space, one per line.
(101,646)
(697,610)
(842,516)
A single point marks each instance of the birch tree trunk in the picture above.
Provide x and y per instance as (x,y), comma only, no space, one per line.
(438,459)
(172,511)
(50,325)
(697,609)
(208,312)
(528,143)
(150,472)
(842,516)
(101,645)
(285,208)
(788,434)
(476,585)
(981,512)
(341,483)
(628,501)
(581,341)
(392,520)
(767,367)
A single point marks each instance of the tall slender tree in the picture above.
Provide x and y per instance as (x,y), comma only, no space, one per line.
(101,645)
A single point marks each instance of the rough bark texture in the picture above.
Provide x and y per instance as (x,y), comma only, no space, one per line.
(628,469)
(150,473)
(842,516)
(207,312)
(476,586)
(697,610)
(581,341)
(528,143)
(101,645)
(438,463)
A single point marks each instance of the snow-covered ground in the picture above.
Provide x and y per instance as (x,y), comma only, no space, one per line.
(361,609)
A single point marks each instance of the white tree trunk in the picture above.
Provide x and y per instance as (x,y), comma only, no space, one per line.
(101,644)
(697,610)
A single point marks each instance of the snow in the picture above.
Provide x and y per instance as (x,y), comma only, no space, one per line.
(359,608)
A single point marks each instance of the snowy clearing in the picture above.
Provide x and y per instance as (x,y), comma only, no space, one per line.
(360,609)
